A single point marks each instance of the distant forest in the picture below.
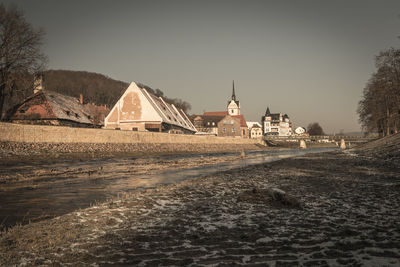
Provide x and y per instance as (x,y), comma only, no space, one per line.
(97,88)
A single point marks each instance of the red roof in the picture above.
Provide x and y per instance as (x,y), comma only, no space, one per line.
(216,113)
(242,120)
(223,114)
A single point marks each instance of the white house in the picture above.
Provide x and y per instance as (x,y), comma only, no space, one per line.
(139,110)
(276,124)
(255,129)
(300,131)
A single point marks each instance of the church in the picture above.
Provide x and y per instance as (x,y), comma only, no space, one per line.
(223,123)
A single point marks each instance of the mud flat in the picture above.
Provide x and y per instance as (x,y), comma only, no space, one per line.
(16,152)
(343,211)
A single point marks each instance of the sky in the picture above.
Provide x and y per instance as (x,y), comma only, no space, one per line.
(308,59)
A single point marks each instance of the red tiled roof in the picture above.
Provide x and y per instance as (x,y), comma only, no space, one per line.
(216,113)
(242,120)
(223,114)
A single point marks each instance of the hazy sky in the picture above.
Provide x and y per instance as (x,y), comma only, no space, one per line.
(309,59)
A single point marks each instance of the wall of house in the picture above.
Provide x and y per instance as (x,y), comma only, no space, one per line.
(130,110)
(229,126)
(10,132)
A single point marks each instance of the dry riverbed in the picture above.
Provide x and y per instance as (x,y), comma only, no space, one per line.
(348,215)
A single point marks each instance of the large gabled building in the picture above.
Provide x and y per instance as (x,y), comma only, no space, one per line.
(139,110)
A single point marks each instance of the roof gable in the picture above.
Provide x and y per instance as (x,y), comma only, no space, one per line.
(152,108)
(67,107)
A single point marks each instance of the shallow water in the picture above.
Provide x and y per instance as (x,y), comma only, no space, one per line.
(73,187)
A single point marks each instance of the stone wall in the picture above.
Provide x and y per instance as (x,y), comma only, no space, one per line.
(10,132)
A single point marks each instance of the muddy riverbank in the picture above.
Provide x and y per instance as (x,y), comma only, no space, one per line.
(31,192)
(348,215)
(16,152)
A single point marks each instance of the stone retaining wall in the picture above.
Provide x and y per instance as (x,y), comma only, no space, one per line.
(10,132)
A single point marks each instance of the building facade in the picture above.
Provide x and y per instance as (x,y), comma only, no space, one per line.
(223,123)
(276,124)
(139,110)
(46,107)
(255,129)
(301,131)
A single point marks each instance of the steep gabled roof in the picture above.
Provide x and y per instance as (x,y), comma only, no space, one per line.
(242,120)
(168,112)
(67,107)
(59,107)
(211,119)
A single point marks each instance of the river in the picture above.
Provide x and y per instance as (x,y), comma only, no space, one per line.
(51,189)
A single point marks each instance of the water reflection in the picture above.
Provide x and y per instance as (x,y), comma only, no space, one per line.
(70,188)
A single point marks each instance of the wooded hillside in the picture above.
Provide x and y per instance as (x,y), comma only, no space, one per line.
(96,88)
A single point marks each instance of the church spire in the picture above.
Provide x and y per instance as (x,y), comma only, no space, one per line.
(233,91)
(267,113)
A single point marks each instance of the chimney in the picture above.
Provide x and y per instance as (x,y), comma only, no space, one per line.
(38,83)
(81,99)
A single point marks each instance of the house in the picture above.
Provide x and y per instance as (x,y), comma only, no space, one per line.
(276,124)
(51,108)
(301,131)
(139,110)
(223,123)
(206,124)
(255,129)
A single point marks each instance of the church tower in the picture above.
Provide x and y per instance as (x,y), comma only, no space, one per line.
(233,104)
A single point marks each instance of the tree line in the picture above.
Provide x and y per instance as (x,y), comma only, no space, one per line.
(97,88)
(379,108)
(21,57)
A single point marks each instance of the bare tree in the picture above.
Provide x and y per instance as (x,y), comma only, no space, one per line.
(379,109)
(20,52)
(315,129)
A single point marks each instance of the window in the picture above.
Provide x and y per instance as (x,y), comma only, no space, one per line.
(224,130)
(208,123)
(232,111)
(135,129)
(244,132)
(213,123)
(233,130)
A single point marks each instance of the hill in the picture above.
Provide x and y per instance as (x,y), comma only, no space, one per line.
(96,88)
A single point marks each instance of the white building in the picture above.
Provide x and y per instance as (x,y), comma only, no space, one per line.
(255,129)
(300,131)
(276,124)
(139,110)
